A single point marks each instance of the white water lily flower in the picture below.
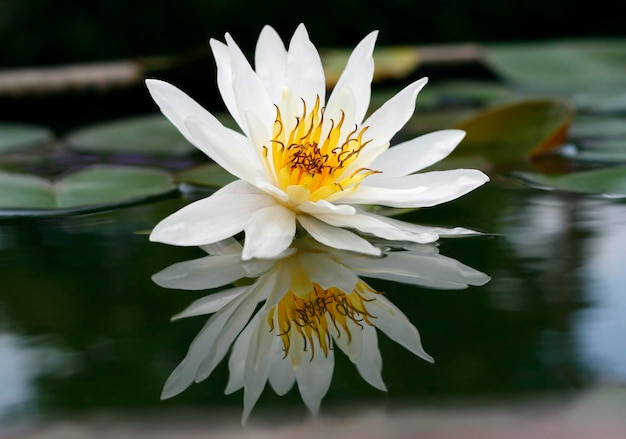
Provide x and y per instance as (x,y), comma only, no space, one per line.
(314,300)
(302,158)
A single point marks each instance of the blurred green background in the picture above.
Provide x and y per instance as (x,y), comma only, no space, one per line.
(49,32)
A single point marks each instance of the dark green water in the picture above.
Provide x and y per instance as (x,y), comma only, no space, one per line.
(84,329)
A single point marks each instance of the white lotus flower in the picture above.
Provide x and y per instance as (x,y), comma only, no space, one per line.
(302,158)
(314,301)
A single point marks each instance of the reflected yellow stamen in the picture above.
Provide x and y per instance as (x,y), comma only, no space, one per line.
(303,157)
(314,315)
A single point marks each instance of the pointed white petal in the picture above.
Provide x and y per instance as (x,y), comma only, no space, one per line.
(344,108)
(394,323)
(358,76)
(335,237)
(416,154)
(211,303)
(225,78)
(442,232)
(237,360)
(228,246)
(314,377)
(185,372)
(350,343)
(220,216)
(429,270)
(270,62)
(370,363)
(269,232)
(379,226)
(323,206)
(385,122)
(305,74)
(201,274)
(228,148)
(234,324)
(249,92)
(327,273)
(257,368)
(281,376)
(419,190)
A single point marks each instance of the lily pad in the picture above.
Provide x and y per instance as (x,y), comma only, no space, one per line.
(560,65)
(18,136)
(609,182)
(514,131)
(206,175)
(89,189)
(150,135)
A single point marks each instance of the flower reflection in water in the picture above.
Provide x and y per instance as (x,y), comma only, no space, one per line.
(312,300)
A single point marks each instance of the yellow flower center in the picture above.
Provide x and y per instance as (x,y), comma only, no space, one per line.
(310,164)
(300,320)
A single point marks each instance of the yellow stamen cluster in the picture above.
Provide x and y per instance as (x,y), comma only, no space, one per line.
(313,316)
(305,157)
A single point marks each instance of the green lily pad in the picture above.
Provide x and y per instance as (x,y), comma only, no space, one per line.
(569,65)
(150,135)
(609,182)
(206,175)
(89,189)
(515,131)
(18,136)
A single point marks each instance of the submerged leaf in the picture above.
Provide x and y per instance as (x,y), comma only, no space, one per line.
(560,65)
(18,136)
(151,134)
(512,132)
(208,174)
(91,188)
(607,181)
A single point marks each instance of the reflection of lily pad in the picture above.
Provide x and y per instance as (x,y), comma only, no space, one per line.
(606,181)
(208,175)
(511,132)
(87,189)
(152,134)
(560,65)
(17,136)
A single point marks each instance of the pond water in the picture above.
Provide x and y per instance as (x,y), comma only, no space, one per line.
(83,328)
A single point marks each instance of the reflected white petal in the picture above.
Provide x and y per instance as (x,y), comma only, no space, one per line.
(211,303)
(201,274)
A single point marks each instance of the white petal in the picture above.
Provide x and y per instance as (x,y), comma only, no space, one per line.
(225,78)
(370,363)
(257,368)
(344,108)
(314,377)
(201,274)
(305,74)
(226,147)
(327,273)
(270,62)
(220,216)
(350,344)
(419,190)
(379,226)
(416,154)
(269,232)
(233,325)
(323,206)
(237,360)
(394,323)
(385,122)
(281,376)
(428,270)
(250,95)
(211,303)
(335,237)
(185,372)
(418,229)
(358,76)
(228,246)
